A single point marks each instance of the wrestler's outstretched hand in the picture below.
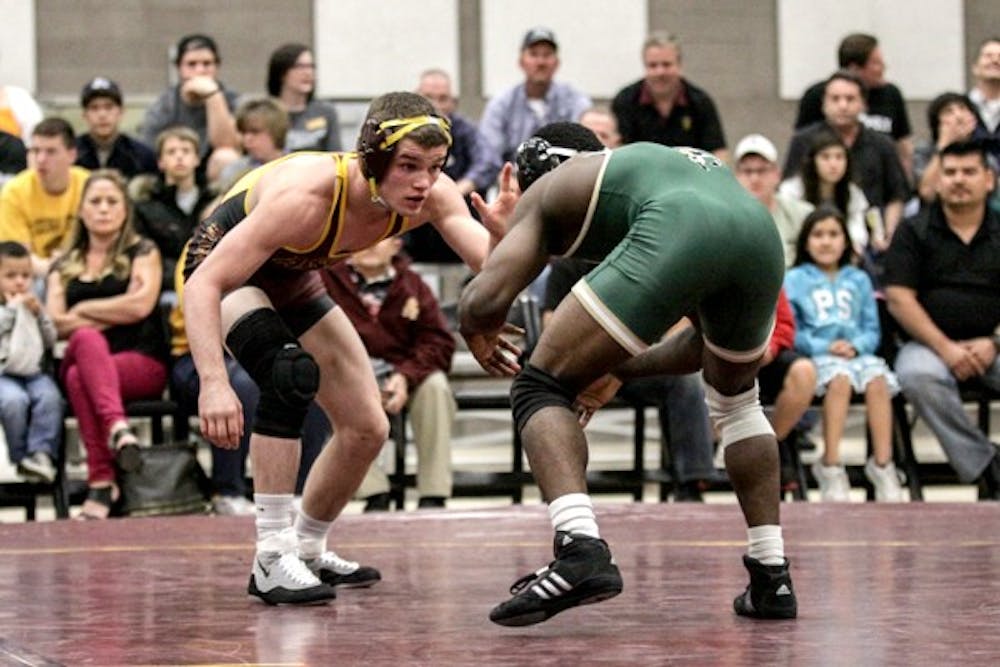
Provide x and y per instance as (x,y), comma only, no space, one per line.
(495,214)
(221,414)
(496,354)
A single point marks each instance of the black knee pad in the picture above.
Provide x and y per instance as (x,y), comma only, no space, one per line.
(534,389)
(286,375)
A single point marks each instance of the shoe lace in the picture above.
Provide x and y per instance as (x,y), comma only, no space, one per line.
(296,570)
(529,579)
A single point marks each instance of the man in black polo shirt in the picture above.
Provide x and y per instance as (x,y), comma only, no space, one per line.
(861,55)
(874,163)
(666,108)
(943,288)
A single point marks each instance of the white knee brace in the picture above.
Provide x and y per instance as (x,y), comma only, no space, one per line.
(736,417)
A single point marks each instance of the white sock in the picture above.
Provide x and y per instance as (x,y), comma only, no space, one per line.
(574,513)
(764,543)
(274,514)
(311,534)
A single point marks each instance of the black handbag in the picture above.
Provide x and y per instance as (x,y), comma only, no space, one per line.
(169,481)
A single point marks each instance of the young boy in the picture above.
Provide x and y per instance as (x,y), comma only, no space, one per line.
(168,208)
(263,125)
(30,404)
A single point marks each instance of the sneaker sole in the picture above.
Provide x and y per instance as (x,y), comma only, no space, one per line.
(344,580)
(311,596)
(605,591)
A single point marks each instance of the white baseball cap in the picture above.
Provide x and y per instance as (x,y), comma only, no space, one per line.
(756,144)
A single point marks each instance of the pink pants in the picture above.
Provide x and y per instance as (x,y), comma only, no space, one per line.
(97,384)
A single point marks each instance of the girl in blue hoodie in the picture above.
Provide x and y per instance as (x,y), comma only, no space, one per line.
(836,320)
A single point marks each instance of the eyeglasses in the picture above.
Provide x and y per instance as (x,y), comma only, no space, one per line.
(762,171)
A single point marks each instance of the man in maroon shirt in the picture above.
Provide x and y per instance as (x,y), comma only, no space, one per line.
(400,322)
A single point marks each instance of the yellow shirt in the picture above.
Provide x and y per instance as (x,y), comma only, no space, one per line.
(36,218)
(178,335)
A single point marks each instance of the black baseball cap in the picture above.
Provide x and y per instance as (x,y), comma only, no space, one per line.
(538,35)
(193,43)
(100,86)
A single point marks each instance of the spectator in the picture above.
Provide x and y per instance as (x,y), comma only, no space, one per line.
(435,85)
(263,127)
(666,108)
(679,399)
(943,288)
(515,114)
(104,145)
(757,171)
(825,178)
(603,123)
(985,94)
(19,112)
(228,479)
(291,77)
(199,101)
(38,205)
(169,207)
(400,322)
(875,164)
(102,297)
(837,325)
(786,379)
(885,110)
(13,157)
(31,411)
(951,117)
(787,382)
(424,244)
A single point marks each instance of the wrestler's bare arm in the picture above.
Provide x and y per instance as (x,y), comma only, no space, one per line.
(513,264)
(545,222)
(287,211)
(472,240)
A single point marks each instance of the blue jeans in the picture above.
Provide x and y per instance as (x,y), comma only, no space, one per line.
(680,401)
(930,387)
(31,412)
(228,465)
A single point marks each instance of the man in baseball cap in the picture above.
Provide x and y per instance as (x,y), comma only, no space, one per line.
(755,162)
(539,35)
(104,145)
(100,86)
(514,114)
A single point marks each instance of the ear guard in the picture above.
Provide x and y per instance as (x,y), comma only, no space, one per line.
(536,157)
(377,142)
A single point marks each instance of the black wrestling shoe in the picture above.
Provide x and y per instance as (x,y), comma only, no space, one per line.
(582,573)
(769,594)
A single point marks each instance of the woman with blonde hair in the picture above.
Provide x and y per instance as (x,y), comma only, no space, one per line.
(102,295)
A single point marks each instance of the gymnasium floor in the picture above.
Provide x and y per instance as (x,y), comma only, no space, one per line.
(908,584)
(913,584)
